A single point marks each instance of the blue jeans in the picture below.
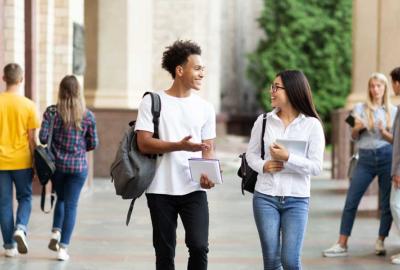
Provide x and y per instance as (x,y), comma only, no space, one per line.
(371,163)
(68,187)
(23,184)
(281,224)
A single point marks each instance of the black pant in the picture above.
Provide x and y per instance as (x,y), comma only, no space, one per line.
(193,210)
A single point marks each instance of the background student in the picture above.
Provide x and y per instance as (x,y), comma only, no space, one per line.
(373,134)
(18,123)
(74,134)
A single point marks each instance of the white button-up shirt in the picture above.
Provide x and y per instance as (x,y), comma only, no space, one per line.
(296,181)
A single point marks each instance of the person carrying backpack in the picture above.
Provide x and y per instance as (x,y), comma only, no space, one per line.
(74,133)
(18,123)
(186,129)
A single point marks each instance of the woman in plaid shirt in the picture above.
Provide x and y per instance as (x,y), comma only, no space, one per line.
(74,134)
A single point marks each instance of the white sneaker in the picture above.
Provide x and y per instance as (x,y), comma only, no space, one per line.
(11,252)
(20,238)
(395,256)
(62,254)
(335,251)
(396,259)
(54,240)
(380,248)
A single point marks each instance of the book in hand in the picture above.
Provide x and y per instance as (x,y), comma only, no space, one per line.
(296,147)
(209,167)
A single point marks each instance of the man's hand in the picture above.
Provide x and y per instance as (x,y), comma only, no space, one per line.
(205,182)
(396,181)
(272,166)
(278,152)
(187,145)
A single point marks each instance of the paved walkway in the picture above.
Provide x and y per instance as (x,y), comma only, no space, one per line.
(102,241)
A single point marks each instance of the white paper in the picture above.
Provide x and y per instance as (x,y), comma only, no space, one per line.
(209,167)
(296,147)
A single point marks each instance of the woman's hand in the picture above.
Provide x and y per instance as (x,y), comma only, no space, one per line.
(278,152)
(396,181)
(273,166)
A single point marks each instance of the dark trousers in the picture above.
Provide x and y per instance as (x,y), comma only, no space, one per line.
(193,210)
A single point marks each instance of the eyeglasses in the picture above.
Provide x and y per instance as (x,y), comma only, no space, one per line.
(275,88)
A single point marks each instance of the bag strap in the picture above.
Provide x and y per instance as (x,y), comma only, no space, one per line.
(52,110)
(128,216)
(43,199)
(262,135)
(155,111)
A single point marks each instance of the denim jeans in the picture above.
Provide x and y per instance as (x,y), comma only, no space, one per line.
(371,163)
(22,180)
(68,187)
(281,224)
(193,210)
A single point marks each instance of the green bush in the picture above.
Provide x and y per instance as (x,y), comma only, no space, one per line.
(313,36)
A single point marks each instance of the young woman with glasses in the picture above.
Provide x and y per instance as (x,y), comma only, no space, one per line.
(281,197)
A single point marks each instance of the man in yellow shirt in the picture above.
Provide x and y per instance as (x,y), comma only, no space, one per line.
(18,122)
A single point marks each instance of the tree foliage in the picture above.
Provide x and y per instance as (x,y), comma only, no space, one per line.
(313,36)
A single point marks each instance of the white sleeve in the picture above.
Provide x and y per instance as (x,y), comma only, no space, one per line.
(312,163)
(208,130)
(253,153)
(144,120)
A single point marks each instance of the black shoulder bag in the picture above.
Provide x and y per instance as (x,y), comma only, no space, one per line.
(247,174)
(44,162)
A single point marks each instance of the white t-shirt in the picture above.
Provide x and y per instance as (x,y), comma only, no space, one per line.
(180,117)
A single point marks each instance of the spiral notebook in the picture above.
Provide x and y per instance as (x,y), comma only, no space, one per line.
(209,167)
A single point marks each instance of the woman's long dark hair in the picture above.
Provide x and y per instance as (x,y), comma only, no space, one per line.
(298,92)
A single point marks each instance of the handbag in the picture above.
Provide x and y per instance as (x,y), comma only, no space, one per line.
(245,172)
(44,162)
(352,165)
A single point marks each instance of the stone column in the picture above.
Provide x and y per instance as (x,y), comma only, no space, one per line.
(123,53)
(2,84)
(376,35)
(13,31)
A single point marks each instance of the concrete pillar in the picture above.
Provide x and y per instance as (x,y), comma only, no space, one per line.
(46,53)
(376,35)
(2,84)
(123,53)
(13,31)
(199,21)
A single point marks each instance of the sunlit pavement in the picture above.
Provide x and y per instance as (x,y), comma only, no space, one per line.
(102,241)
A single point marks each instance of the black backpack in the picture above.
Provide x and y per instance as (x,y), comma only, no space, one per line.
(44,162)
(132,172)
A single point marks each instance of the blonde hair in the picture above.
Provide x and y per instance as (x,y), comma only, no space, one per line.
(71,105)
(386,101)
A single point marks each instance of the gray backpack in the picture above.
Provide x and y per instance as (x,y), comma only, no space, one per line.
(132,172)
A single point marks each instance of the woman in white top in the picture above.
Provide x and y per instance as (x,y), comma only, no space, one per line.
(282,191)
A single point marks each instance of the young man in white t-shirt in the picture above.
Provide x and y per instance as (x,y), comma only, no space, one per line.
(186,129)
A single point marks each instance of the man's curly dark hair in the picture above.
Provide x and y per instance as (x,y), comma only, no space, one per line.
(395,74)
(177,54)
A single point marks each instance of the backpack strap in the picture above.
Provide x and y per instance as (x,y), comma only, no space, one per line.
(52,111)
(128,216)
(43,199)
(155,111)
(262,135)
